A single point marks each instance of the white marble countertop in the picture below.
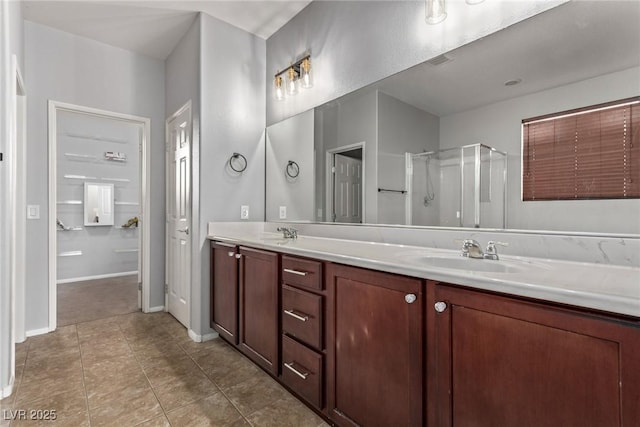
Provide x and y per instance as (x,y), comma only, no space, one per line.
(614,289)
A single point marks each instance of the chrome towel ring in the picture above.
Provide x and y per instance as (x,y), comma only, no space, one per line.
(292,169)
(235,159)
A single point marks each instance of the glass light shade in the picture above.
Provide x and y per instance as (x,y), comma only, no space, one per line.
(279,88)
(292,82)
(436,11)
(305,74)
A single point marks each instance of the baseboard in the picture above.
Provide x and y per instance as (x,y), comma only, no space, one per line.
(34,332)
(99,276)
(202,338)
(156,309)
(6,391)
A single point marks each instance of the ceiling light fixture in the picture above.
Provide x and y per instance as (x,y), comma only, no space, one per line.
(436,10)
(297,75)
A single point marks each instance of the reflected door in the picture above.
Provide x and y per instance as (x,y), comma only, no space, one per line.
(347,189)
(179,215)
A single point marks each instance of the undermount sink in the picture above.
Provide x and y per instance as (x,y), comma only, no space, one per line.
(470,264)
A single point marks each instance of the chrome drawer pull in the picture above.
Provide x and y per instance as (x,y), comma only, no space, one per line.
(299,273)
(297,316)
(295,371)
(231,253)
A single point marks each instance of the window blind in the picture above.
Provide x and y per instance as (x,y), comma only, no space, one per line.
(589,153)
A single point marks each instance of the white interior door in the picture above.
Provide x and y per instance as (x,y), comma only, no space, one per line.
(347,203)
(179,214)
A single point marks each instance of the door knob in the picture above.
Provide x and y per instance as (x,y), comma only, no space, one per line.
(410,298)
(440,306)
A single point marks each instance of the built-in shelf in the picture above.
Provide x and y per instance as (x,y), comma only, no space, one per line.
(122,251)
(125,228)
(84,157)
(70,253)
(70,229)
(69,202)
(79,177)
(116,179)
(127,203)
(95,137)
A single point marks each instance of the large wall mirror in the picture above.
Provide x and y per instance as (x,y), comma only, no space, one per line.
(440,144)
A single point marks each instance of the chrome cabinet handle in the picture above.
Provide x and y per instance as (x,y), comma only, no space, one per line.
(296,316)
(231,253)
(410,298)
(440,306)
(238,256)
(186,230)
(299,273)
(302,375)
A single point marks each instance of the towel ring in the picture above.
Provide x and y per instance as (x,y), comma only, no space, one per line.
(292,166)
(236,156)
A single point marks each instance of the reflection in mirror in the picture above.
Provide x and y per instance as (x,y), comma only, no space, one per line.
(98,204)
(574,55)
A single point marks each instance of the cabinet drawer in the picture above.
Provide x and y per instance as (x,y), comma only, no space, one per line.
(302,272)
(302,370)
(302,315)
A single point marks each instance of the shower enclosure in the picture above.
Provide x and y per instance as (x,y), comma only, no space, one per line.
(457,187)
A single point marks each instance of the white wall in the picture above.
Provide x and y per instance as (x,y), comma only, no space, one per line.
(499,125)
(290,140)
(233,120)
(68,68)
(355,43)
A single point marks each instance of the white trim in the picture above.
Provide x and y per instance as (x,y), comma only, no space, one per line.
(99,276)
(6,391)
(145,195)
(41,331)
(202,338)
(155,309)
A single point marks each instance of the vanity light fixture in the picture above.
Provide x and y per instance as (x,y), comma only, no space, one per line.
(296,75)
(436,10)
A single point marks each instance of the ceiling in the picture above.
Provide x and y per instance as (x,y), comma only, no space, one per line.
(573,42)
(154,27)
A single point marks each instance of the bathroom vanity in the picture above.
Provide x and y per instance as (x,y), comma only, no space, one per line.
(380,334)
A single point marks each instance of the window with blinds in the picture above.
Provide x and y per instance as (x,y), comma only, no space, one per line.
(589,153)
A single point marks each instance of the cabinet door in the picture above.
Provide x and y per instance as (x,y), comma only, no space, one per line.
(497,361)
(224,291)
(374,348)
(259,307)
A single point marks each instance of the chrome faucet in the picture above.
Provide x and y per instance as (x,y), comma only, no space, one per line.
(472,249)
(288,232)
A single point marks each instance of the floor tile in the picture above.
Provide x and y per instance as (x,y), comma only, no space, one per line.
(160,421)
(127,411)
(189,388)
(64,409)
(214,410)
(167,370)
(255,393)
(32,390)
(226,368)
(286,412)
(111,389)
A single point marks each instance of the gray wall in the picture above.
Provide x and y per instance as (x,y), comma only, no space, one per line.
(499,125)
(67,68)
(233,112)
(291,139)
(182,84)
(355,43)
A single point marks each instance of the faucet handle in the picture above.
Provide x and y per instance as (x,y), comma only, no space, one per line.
(491,245)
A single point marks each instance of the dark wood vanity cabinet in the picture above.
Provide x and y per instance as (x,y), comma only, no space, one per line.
(224,290)
(501,361)
(258,308)
(245,300)
(374,348)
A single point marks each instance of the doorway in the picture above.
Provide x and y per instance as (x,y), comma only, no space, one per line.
(345,178)
(98,202)
(178,210)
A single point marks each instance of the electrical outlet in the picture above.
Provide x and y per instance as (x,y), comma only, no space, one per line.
(283,212)
(244,212)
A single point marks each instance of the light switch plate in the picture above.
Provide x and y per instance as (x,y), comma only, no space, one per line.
(33,212)
(283,212)
(244,212)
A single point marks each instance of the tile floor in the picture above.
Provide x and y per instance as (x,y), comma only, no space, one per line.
(143,370)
